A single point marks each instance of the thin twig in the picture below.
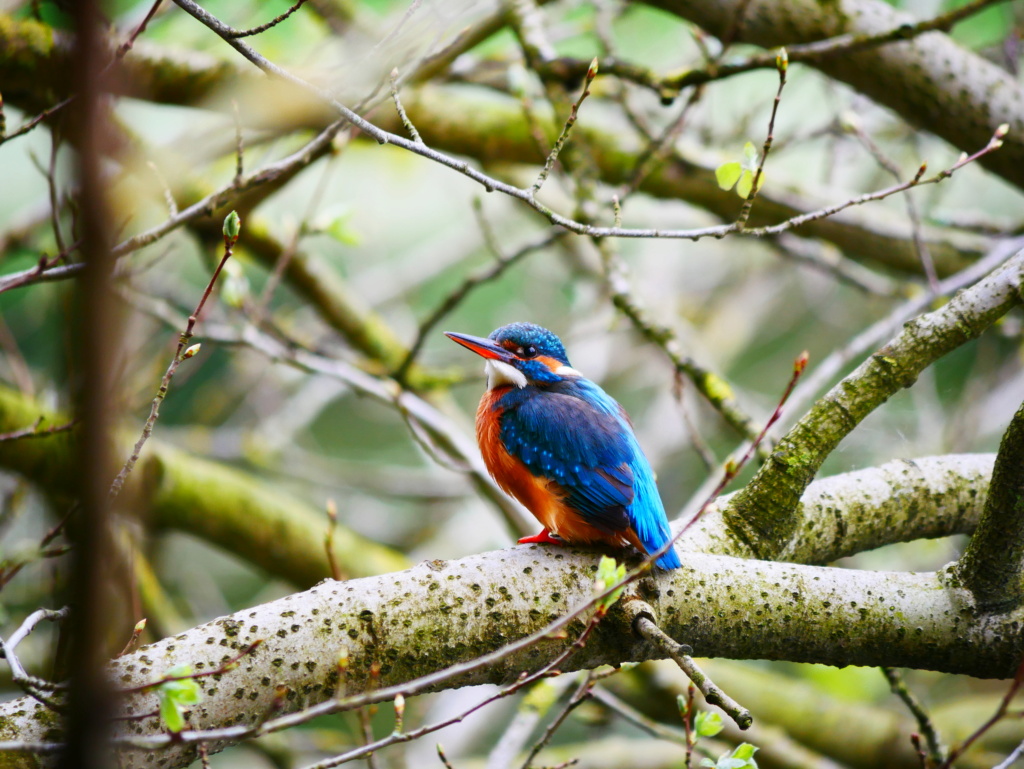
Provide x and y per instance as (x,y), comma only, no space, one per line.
(127,44)
(270,24)
(182,353)
(578,697)
(549,163)
(1008,761)
(936,753)
(51,185)
(455,298)
(37,688)
(712,693)
(782,64)
(332,525)
(239,145)
(225,667)
(35,432)
(1004,704)
(927,263)
(401,110)
(524,680)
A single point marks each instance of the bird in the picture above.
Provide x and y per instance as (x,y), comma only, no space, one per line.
(563,447)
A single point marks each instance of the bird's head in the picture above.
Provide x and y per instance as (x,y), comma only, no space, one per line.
(519,354)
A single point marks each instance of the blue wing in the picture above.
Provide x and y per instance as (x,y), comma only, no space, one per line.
(577,435)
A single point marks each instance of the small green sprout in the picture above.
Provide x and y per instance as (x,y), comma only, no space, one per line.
(708,724)
(741,758)
(232,226)
(740,173)
(177,696)
(609,571)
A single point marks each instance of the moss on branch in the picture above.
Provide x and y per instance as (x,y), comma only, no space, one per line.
(397,627)
(171,489)
(765,513)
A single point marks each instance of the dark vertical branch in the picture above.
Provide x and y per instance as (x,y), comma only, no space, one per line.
(95,339)
(992,566)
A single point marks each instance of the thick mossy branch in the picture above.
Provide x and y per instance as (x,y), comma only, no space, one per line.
(992,566)
(849,513)
(173,490)
(930,81)
(34,62)
(396,627)
(765,514)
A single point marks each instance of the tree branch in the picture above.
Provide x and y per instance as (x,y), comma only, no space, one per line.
(764,514)
(930,81)
(992,566)
(174,490)
(396,628)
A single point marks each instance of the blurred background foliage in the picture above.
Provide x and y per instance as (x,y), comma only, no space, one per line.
(401,234)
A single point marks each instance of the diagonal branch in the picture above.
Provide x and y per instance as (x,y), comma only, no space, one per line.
(764,514)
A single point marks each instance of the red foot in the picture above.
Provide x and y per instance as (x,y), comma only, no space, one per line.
(544,538)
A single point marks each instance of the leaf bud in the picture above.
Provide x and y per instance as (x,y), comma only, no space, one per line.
(232,226)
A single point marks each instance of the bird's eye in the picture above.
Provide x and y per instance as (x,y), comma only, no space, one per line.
(527,352)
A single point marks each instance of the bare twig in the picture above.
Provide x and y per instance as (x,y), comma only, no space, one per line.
(781,64)
(455,298)
(578,697)
(37,688)
(927,263)
(270,24)
(549,163)
(1004,705)
(332,525)
(127,44)
(35,432)
(936,753)
(182,353)
(401,110)
(225,667)
(714,695)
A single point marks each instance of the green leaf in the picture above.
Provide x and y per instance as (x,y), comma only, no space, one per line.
(708,724)
(746,184)
(745,751)
(609,571)
(707,762)
(171,714)
(340,230)
(727,174)
(749,155)
(176,696)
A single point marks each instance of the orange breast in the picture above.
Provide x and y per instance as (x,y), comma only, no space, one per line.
(541,496)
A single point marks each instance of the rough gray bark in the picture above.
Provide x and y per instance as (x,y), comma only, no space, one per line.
(404,622)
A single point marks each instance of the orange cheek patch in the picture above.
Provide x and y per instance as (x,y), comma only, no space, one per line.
(551,363)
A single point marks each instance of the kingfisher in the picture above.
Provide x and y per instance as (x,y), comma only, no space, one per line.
(563,447)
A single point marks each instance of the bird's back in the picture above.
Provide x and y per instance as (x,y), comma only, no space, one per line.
(567,451)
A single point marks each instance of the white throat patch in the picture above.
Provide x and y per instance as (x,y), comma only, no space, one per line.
(500,373)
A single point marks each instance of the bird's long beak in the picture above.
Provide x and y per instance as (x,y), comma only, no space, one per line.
(481,346)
